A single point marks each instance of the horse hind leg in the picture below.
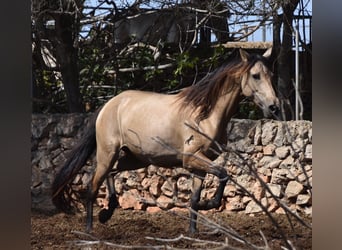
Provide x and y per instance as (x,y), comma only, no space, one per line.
(126,161)
(105,162)
(106,214)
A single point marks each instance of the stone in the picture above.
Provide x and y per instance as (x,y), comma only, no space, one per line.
(184,196)
(268,132)
(308,152)
(146,183)
(244,180)
(130,200)
(253,207)
(229,190)
(275,190)
(258,191)
(293,189)
(257,134)
(153,209)
(280,140)
(269,149)
(156,183)
(266,160)
(164,202)
(303,199)
(234,204)
(119,187)
(270,203)
(280,210)
(265,171)
(167,188)
(273,164)
(282,152)
(246,199)
(184,184)
(279,176)
(287,162)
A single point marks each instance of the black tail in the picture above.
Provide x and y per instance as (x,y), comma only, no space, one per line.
(61,190)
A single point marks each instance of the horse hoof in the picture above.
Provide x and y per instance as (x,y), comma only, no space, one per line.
(105,215)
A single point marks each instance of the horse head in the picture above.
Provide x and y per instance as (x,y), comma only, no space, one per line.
(257,84)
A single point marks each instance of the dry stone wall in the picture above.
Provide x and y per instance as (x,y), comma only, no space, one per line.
(276,153)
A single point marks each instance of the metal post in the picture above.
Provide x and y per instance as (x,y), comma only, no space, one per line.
(297,70)
(264,26)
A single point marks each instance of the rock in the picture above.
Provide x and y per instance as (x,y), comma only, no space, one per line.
(293,189)
(257,134)
(229,190)
(167,188)
(270,203)
(119,186)
(234,204)
(268,132)
(288,162)
(266,160)
(280,140)
(244,180)
(275,190)
(298,145)
(156,183)
(246,199)
(265,171)
(308,210)
(130,200)
(146,183)
(269,149)
(253,207)
(282,152)
(308,152)
(273,164)
(184,184)
(165,202)
(303,199)
(153,209)
(280,210)
(279,176)
(258,191)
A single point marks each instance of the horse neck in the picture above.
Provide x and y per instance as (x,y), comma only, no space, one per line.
(225,107)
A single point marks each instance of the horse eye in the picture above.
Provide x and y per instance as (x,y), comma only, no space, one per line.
(256,76)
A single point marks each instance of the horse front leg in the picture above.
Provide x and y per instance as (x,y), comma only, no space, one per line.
(195,198)
(200,164)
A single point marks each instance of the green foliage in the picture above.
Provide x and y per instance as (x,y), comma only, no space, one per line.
(248,110)
(184,63)
(49,92)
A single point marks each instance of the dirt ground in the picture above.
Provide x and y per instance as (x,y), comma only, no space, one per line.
(129,229)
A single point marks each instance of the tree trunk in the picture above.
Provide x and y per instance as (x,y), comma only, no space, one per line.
(284,59)
(67,54)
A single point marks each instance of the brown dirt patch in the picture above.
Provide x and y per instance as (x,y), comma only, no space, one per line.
(130,228)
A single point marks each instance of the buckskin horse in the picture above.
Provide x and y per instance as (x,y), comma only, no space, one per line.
(131,130)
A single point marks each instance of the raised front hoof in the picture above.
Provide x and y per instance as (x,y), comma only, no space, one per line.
(104,215)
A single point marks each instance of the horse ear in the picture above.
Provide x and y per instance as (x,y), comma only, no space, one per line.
(244,55)
(268,53)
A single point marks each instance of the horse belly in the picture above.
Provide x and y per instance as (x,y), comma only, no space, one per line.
(150,128)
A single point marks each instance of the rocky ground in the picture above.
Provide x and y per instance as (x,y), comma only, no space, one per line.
(130,229)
